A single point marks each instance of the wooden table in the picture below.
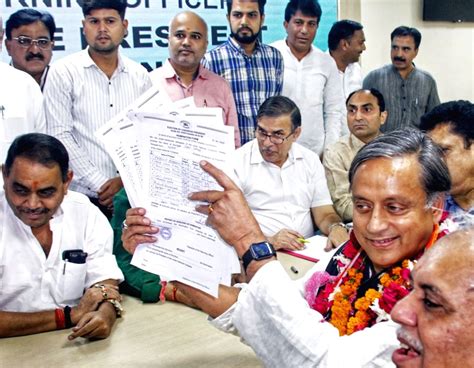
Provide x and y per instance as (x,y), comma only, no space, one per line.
(149,335)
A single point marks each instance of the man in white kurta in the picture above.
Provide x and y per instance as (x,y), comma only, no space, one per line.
(273,314)
(33,282)
(299,333)
(54,246)
(313,83)
(346,42)
(311,78)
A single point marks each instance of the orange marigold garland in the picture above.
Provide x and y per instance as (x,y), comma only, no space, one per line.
(336,297)
(342,306)
(349,314)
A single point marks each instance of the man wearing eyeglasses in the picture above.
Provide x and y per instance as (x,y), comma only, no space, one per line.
(29,42)
(21,105)
(283,182)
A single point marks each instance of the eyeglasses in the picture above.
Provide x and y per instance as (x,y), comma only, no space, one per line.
(274,138)
(26,42)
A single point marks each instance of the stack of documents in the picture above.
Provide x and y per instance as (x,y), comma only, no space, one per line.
(156,146)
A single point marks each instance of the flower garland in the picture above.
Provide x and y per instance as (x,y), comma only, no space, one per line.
(336,297)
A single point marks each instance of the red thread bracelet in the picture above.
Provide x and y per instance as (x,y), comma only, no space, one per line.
(60,319)
(162,292)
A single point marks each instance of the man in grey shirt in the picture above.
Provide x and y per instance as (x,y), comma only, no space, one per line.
(409,91)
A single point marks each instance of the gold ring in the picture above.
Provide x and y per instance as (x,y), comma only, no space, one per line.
(210,209)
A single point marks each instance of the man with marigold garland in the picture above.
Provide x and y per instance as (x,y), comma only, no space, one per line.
(398,183)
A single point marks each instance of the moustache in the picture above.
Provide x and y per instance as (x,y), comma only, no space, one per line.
(34,211)
(245,28)
(268,150)
(396,58)
(103,35)
(31,56)
(412,342)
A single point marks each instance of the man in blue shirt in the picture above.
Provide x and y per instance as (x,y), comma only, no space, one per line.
(254,70)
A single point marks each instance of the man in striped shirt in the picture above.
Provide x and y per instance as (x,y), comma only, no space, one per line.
(85,90)
(254,70)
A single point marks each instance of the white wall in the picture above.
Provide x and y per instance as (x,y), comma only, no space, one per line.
(446,50)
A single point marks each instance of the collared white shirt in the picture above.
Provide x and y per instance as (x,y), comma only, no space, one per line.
(21,106)
(282,198)
(274,318)
(351,80)
(29,281)
(79,99)
(313,84)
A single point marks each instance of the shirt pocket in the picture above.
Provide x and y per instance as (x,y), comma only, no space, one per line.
(418,108)
(71,280)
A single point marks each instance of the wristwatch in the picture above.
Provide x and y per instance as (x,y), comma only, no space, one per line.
(258,252)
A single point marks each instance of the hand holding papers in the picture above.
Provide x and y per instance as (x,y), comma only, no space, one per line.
(157,155)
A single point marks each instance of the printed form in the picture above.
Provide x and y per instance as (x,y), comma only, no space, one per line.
(158,158)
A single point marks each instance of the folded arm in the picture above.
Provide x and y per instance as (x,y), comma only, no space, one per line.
(22,323)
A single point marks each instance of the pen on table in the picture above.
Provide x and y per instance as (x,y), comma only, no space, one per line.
(293,269)
(302,240)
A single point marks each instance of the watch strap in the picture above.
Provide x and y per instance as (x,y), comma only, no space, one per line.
(249,255)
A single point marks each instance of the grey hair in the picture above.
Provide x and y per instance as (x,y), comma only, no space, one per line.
(434,178)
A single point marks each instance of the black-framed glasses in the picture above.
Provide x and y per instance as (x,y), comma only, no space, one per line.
(274,138)
(43,43)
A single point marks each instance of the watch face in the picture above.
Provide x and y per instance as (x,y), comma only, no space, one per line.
(261,250)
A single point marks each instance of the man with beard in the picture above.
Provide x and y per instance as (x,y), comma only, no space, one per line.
(310,78)
(254,70)
(183,76)
(409,91)
(436,318)
(29,42)
(346,42)
(85,90)
(53,244)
